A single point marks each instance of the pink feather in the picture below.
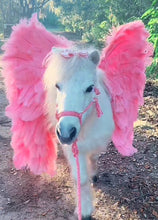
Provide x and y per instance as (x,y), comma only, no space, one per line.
(32,141)
(124,62)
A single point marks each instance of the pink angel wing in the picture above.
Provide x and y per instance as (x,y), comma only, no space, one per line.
(124,62)
(32,141)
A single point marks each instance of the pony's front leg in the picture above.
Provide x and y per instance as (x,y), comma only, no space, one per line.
(93,166)
(86,194)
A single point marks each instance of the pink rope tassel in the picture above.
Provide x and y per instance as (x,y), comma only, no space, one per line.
(98,109)
(76,153)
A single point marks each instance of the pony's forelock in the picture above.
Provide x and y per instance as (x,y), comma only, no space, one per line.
(59,67)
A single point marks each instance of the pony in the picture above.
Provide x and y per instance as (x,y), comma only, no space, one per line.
(78,97)
(74,81)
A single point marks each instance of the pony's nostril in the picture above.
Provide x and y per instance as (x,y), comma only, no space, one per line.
(58,132)
(73,132)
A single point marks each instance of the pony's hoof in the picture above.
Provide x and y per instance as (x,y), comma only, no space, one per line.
(95,179)
(87,218)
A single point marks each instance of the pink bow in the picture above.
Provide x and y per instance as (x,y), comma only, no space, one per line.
(70,53)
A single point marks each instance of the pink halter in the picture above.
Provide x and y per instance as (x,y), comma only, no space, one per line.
(79,115)
(75,147)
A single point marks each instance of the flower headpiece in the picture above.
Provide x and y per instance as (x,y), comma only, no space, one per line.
(69,53)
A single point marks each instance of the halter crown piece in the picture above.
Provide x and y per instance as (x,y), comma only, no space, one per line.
(79,116)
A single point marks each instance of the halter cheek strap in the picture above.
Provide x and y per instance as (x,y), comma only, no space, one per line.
(74,145)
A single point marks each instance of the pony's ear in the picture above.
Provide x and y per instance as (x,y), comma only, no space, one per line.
(94,57)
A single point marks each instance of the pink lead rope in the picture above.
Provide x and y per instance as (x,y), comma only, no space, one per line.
(75,147)
(75,153)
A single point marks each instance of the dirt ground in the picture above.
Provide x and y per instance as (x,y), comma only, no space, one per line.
(127,188)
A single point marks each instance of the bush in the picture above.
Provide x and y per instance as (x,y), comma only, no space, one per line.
(50,20)
(150,18)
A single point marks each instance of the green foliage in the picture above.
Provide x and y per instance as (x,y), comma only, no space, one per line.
(11,11)
(150,18)
(50,19)
(92,19)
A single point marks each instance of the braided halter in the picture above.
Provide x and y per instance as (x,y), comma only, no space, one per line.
(80,115)
(75,146)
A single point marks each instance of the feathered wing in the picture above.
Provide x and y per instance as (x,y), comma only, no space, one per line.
(124,62)
(23,71)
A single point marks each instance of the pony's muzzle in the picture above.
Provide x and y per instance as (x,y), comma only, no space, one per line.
(66,134)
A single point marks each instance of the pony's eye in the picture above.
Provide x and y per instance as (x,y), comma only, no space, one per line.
(57,86)
(89,89)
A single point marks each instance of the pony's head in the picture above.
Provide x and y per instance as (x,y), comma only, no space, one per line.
(70,81)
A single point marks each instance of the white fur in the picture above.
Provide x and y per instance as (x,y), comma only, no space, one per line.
(74,76)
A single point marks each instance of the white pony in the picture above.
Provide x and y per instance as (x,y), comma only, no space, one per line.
(73,83)
(83,100)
